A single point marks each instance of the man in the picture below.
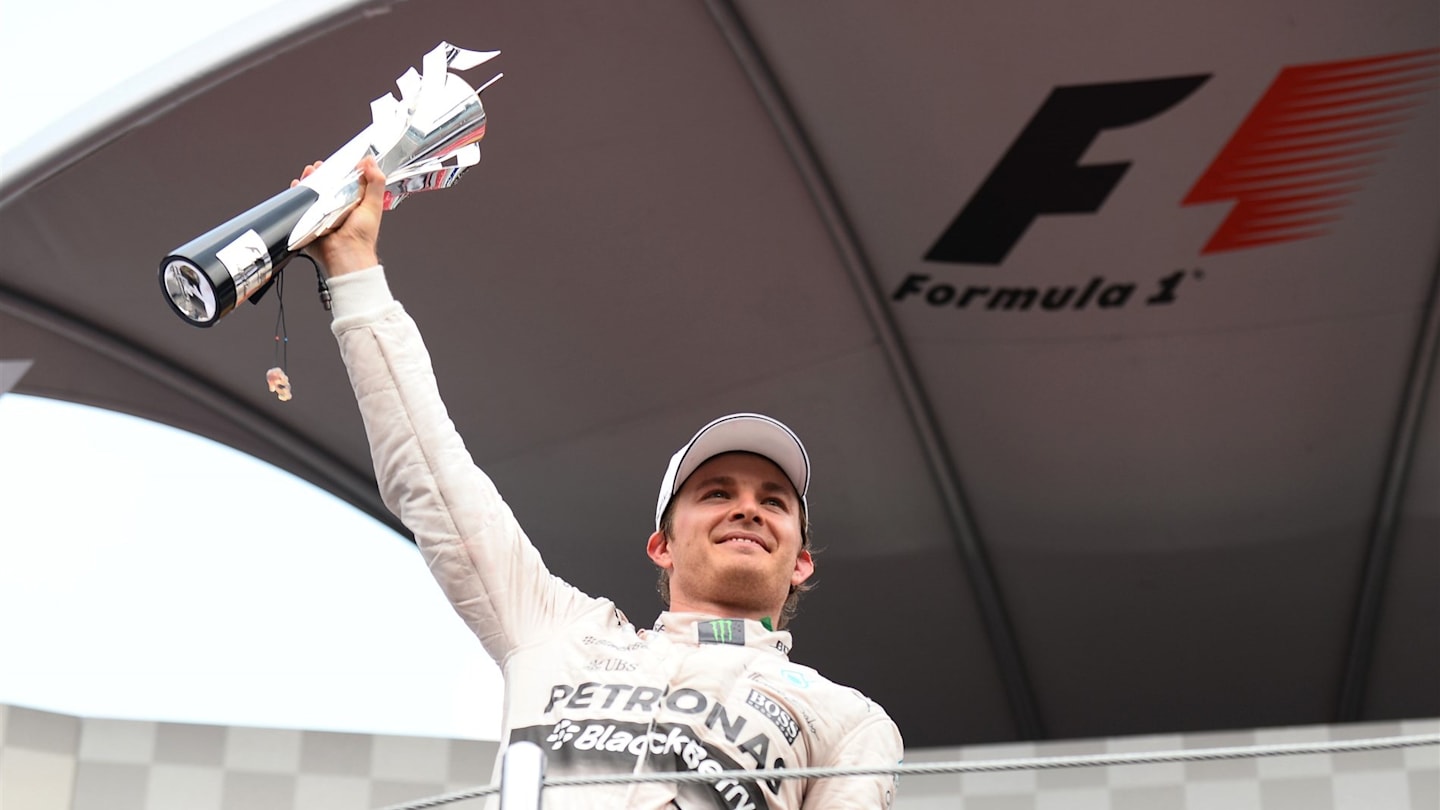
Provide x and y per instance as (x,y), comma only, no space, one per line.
(711,687)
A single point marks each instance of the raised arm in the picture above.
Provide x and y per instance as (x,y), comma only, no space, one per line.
(472,543)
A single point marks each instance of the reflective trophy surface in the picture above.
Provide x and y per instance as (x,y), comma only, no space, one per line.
(422,141)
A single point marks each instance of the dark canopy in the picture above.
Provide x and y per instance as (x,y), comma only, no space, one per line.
(1110,328)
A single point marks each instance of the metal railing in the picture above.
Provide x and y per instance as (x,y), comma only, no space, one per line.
(523,781)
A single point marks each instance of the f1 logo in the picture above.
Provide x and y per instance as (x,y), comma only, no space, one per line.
(1040,172)
(1290,165)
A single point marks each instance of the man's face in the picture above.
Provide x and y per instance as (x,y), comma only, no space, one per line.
(734,547)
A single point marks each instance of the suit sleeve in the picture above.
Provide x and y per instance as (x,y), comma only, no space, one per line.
(477,552)
(874,743)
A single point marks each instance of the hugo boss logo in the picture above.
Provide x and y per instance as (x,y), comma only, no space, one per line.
(775,713)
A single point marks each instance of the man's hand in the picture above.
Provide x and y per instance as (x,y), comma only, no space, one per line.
(352,245)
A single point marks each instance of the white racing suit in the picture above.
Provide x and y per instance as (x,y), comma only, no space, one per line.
(695,694)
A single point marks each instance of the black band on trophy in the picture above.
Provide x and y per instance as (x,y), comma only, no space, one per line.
(209,276)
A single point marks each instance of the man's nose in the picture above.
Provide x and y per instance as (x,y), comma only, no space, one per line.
(747,507)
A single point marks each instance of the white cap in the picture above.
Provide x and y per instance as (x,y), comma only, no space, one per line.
(738,432)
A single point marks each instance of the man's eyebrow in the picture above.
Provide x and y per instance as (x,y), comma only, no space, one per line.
(721,480)
(729,481)
(776,486)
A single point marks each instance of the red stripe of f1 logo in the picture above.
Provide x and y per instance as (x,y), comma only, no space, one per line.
(1292,163)
(1307,144)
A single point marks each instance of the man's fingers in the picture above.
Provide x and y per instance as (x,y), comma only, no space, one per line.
(374,183)
(306,172)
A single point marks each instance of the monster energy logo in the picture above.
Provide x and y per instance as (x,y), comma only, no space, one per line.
(722,631)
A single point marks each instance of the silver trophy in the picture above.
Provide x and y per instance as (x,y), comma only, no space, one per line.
(422,141)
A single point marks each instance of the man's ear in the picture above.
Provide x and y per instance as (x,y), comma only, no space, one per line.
(804,567)
(658,547)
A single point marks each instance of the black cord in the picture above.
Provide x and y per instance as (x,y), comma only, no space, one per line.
(282,335)
(321,287)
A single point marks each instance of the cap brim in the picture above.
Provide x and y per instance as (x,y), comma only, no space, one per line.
(739,433)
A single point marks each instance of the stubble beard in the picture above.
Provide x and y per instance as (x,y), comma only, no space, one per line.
(745,588)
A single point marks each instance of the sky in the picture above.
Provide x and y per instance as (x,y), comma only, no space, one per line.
(124,592)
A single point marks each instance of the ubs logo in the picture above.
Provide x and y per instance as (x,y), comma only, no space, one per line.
(610,665)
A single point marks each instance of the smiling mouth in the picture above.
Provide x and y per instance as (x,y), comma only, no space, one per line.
(744,541)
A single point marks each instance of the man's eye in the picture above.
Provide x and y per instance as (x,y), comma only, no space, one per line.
(716,493)
(776,502)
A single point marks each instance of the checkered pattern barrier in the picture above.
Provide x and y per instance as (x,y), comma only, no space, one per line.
(1402,779)
(58,762)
